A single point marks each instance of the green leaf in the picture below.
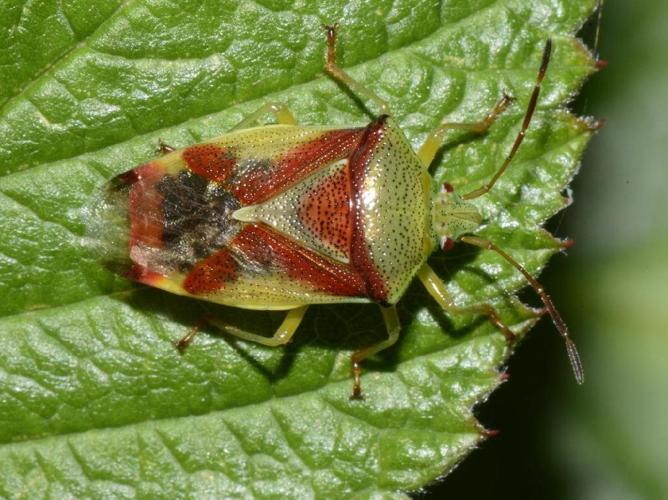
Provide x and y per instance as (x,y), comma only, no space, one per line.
(94,399)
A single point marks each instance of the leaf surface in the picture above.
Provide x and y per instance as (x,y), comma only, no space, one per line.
(94,399)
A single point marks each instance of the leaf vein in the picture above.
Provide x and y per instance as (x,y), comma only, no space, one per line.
(284,436)
(37,76)
(33,212)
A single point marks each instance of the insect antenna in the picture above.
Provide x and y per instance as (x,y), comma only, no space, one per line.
(547,51)
(598,28)
(558,321)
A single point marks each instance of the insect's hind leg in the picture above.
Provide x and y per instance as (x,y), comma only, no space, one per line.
(393,326)
(437,290)
(338,74)
(281,112)
(281,336)
(434,141)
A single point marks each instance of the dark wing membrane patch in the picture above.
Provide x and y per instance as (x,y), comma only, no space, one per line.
(151,222)
(197,217)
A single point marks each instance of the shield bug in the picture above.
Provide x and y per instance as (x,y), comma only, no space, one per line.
(280,217)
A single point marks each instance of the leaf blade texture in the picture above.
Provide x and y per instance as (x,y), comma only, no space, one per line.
(94,399)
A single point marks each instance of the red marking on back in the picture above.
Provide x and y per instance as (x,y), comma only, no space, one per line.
(447,244)
(260,184)
(211,274)
(359,253)
(271,250)
(142,274)
(447,188)
(325,211)
(145,205)
(210,161)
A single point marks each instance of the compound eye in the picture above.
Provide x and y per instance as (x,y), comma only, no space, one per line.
(447,188)
(447,244)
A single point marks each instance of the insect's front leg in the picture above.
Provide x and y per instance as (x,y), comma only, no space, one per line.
(282,336)
(280,111)
(434,141)
(393,326)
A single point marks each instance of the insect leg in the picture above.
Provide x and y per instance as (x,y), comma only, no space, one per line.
(164,148)
(283,333)
(437,290)
(281,336)
(434,141)
(558,321)
(547,51)
(338,74)
(393,327)
(187,339)
(281,113)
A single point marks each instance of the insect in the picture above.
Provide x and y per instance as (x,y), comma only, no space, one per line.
(279,217)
